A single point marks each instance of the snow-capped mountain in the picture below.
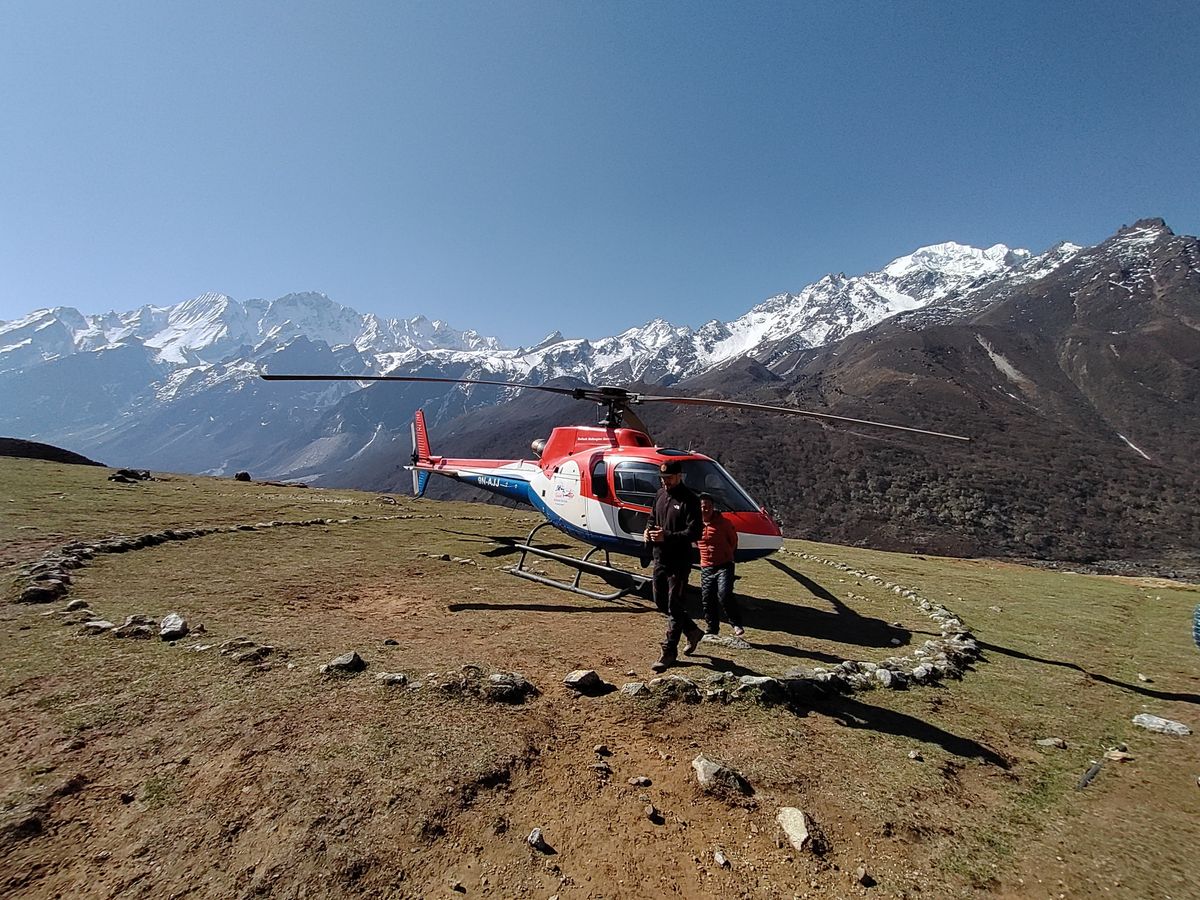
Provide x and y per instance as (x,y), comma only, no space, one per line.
(159,384)
(209,328)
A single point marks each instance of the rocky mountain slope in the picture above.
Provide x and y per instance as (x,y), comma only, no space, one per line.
(1074,369)
(1080,389)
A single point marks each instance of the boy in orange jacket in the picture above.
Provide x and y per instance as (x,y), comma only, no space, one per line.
(717,544)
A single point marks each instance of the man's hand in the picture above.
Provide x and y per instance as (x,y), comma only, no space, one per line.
(654,535)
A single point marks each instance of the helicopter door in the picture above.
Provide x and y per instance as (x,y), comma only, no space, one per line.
(565,497)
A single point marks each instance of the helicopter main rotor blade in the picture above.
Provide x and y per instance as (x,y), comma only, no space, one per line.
(734,404)
(421,378)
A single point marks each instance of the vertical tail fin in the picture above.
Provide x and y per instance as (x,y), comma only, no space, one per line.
(420,453)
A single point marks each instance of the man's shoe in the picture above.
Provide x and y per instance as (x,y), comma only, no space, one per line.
(693,643)
(662,665)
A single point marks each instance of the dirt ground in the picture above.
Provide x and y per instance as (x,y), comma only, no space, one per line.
(138,768)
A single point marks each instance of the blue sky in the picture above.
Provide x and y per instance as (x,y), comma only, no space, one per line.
(520,167)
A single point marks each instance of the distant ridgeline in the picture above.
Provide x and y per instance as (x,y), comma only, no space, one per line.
(33,450)
(1075,372)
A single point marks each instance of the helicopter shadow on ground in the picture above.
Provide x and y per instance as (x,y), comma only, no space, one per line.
(1136,688)
(840,625)
(502,545)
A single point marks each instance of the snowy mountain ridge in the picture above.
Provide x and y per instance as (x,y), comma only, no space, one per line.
(176,387)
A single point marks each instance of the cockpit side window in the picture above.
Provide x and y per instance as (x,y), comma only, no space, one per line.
(636,483)
(706,476)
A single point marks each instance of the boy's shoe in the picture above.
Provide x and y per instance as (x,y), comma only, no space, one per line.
(693,643)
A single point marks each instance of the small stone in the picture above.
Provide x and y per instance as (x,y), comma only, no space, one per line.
(863,877)
(586,681)
(713,776)
(653,814)
(97,626)
(508,687)
(794,825)
(601,750)
(640,781)
(915,755)
(391,642)
(1052,742)
(1160,725)
(172,627)
(458,887)
(720,859)
(1118,755)
(538,842)
(1144,679)
(602,768)
(75,604)
(348,662)
(392,679)
(635,689)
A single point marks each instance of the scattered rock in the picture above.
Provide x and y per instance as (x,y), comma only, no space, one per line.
(795,826)
(42,592)
(1052,742)
(635,689)
(916,756)
(253,654)
(136,627)
(653,814)
(391,642)
(76,604)
(720,859)
(392,679)
(348,664)
(761,689)
(173,627)
(1118,755)
(713,776)
(640,781)
(1144,679)
(538,842)
(241,476)
(733,643)
(675,687)
(863,877)
(602,750)
(97,626)
(587,681)
(1161,725)
(602,768)
(508,687)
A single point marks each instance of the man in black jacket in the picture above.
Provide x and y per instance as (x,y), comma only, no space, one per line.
(675,524)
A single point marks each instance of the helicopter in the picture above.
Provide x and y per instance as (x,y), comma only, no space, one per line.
(597,484)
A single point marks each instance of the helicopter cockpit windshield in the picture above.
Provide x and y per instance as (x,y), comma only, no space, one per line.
(636,483)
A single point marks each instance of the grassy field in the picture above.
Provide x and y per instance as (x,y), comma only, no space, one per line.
(137,768)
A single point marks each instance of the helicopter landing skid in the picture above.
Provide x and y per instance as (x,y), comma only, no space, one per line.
(623,582)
